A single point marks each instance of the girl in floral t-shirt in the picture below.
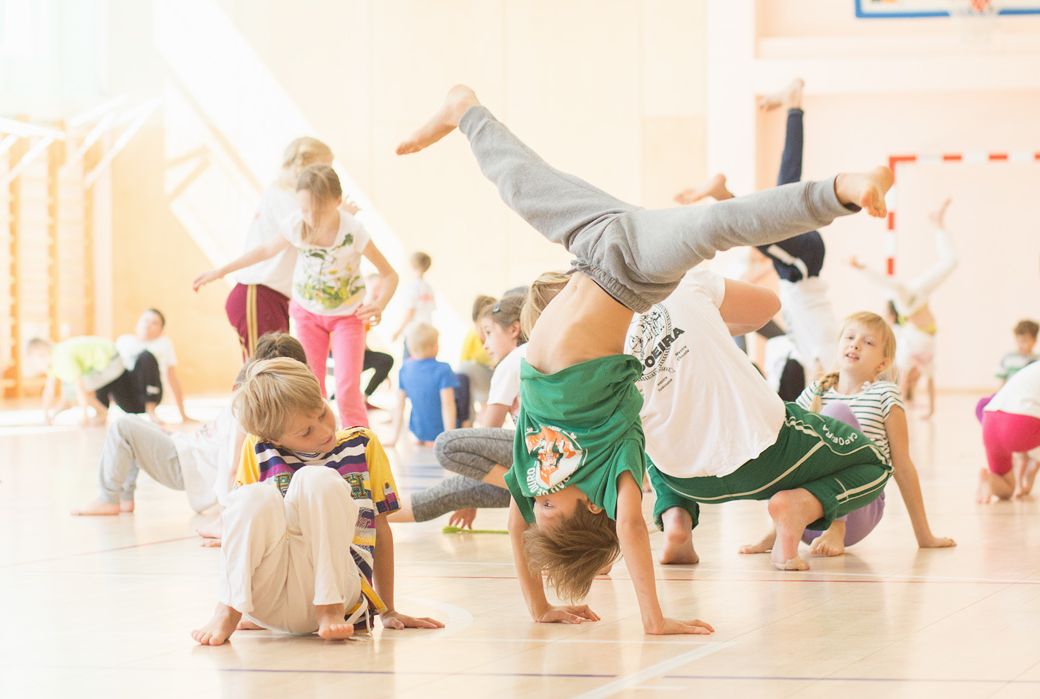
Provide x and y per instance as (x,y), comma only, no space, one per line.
(328,288)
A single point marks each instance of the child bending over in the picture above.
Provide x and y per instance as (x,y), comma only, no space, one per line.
(306,545)
(579,448)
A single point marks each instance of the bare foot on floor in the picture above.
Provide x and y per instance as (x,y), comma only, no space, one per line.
(443,122)
(984,493)
(787,508)
(865,189)
(790,96)
(678,549)
(126,506)
(714,188)
(218,629)
(247,625)
(97,508)
(763,546)
(831,542)
(331,624)
(1025,484)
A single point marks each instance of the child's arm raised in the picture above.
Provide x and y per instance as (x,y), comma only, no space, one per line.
(531,584)
(908,482)
(746,307)
(383,570)
(257,254)
(635,547)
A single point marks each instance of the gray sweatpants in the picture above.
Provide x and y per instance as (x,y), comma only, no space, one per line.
(637,255)
(471,453)
(133,444)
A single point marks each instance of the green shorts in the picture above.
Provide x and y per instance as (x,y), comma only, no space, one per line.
(839,465)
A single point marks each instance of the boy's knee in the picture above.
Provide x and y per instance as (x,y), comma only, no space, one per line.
(253,500)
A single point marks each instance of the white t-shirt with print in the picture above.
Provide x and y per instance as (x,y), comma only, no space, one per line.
(130,348)
(207,457)
(706,409)
(505,381)
(420,298)
(327,280)
(277,205)
(871,407)
(1021,394)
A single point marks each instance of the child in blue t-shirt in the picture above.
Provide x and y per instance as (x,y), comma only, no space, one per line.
(430,386)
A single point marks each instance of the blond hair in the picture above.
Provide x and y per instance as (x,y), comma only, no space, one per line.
(421,261)
(422,338)
(574,551)
(273,391)
(874,323)
(324,185)
(542,291)
(300,154)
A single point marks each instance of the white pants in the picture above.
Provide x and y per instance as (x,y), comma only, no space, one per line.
(283,556)
(810,321)
(915,347)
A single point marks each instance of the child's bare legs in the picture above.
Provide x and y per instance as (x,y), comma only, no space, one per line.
(790,96)
(678,533)
(1027,477)
(714,188)
(792,511)
(443,122)
(219,628)
(992,485)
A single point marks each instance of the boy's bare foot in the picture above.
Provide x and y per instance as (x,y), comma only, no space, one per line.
(763,546)
(714,188)
(865,189)
(443,122)
(211,530)
(247,625)
(678,536)
(791,510)
(126,506)
(790,96)
(331,623)
(984,493)
(1028,479)
(831,542)
(97,508)
(218,629)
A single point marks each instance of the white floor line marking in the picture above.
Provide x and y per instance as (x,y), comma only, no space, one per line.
(556,641)
(638,678)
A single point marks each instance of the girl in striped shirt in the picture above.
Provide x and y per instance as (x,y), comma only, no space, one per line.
(861,394)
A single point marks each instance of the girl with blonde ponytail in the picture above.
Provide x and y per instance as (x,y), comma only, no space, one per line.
(862,395)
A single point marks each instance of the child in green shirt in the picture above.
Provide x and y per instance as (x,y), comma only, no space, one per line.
(578,456)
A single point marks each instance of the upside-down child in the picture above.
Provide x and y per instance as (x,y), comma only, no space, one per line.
(860,395)
(306,545)
(579,449)
(915,357)
(798,261)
